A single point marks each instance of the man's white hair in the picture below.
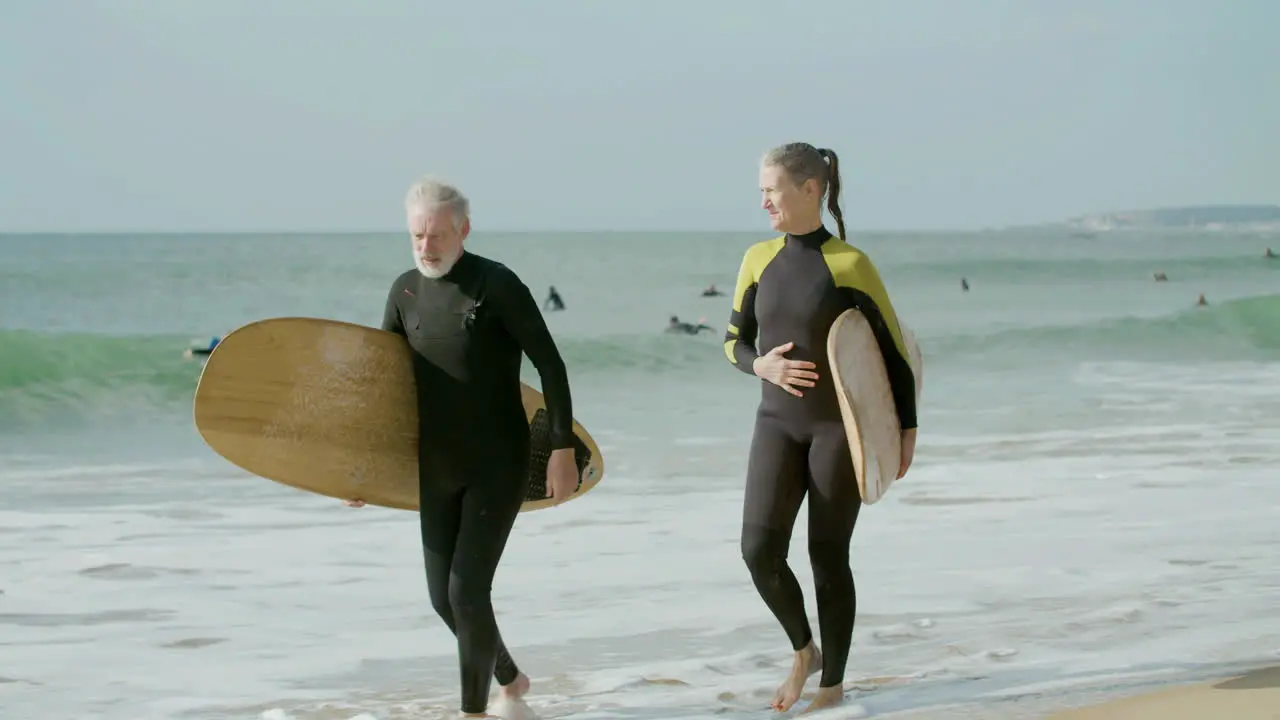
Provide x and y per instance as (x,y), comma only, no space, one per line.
(431,193)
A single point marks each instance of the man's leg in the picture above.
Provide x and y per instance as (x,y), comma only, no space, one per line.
(440,518)
(489,510)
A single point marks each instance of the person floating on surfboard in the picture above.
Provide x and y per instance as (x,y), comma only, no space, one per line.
(467,320)
(678,326)
(789,292)
(203,349)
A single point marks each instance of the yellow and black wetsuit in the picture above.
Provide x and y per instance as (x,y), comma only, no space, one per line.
(791,289)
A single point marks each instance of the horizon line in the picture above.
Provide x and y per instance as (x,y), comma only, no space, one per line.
(503,231)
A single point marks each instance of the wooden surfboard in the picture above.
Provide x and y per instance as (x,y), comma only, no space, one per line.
(866,400)
(329,407)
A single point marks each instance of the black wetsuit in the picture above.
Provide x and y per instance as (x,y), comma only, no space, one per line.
(468,330)
(791,289)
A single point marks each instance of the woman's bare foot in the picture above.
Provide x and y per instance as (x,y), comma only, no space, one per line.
(510,704)
(826,697)
(516,689)
(509,701)
(808,661)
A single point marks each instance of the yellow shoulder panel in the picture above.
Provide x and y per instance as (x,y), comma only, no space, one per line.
(851,268)
(755,260)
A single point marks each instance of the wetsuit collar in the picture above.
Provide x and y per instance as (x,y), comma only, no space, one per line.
(812,240)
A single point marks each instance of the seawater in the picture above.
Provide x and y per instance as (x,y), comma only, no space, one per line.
(1089,504)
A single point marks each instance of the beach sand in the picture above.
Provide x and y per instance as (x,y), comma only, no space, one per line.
(1252,696)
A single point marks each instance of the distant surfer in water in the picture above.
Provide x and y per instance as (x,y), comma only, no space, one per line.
(468,319)
(789,292)
(1269,254)
(202,349)
(676,325)
(553,301)
(711,291)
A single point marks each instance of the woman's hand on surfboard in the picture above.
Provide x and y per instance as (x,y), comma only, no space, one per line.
(908,451)
(784,373)
(562,475)
(353,503)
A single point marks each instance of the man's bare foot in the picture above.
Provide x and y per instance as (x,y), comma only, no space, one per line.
(516,689)
(826,697)
(808,661)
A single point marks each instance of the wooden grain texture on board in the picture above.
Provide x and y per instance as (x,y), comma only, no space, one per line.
(329,407)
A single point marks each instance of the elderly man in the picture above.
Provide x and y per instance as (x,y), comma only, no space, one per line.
(468,319)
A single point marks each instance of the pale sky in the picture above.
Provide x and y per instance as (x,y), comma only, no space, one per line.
(627,114)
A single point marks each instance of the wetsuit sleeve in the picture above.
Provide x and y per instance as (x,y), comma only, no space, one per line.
(522,318)
(870,296)
(391,321)
(740,335)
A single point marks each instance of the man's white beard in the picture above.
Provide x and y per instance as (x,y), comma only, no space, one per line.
(440,269)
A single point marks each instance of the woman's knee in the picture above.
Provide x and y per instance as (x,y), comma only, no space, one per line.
(761,550)
(830,562)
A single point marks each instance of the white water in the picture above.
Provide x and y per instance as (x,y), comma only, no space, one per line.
(1008,564)
(1073,524)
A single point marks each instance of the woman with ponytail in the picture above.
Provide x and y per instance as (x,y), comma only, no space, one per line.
(789,292)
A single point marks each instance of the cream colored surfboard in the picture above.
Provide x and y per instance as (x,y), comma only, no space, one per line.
(866,401)
(329,407)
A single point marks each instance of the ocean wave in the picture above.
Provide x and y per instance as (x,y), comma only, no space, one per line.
(1054,267)
(53,376)
(1243,329)
(49,374)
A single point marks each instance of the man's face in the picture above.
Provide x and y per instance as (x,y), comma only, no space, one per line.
(437,241)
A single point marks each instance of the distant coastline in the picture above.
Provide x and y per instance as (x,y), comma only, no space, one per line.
(1190,218)
(1259,218)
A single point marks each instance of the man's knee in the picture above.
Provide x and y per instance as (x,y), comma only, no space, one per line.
(467,597)
(440,601)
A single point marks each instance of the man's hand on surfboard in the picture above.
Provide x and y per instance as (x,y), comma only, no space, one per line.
(908,451)
(353,503)
(784,373)
(562,475)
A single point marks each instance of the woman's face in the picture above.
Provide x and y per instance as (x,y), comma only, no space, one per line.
(791,207)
